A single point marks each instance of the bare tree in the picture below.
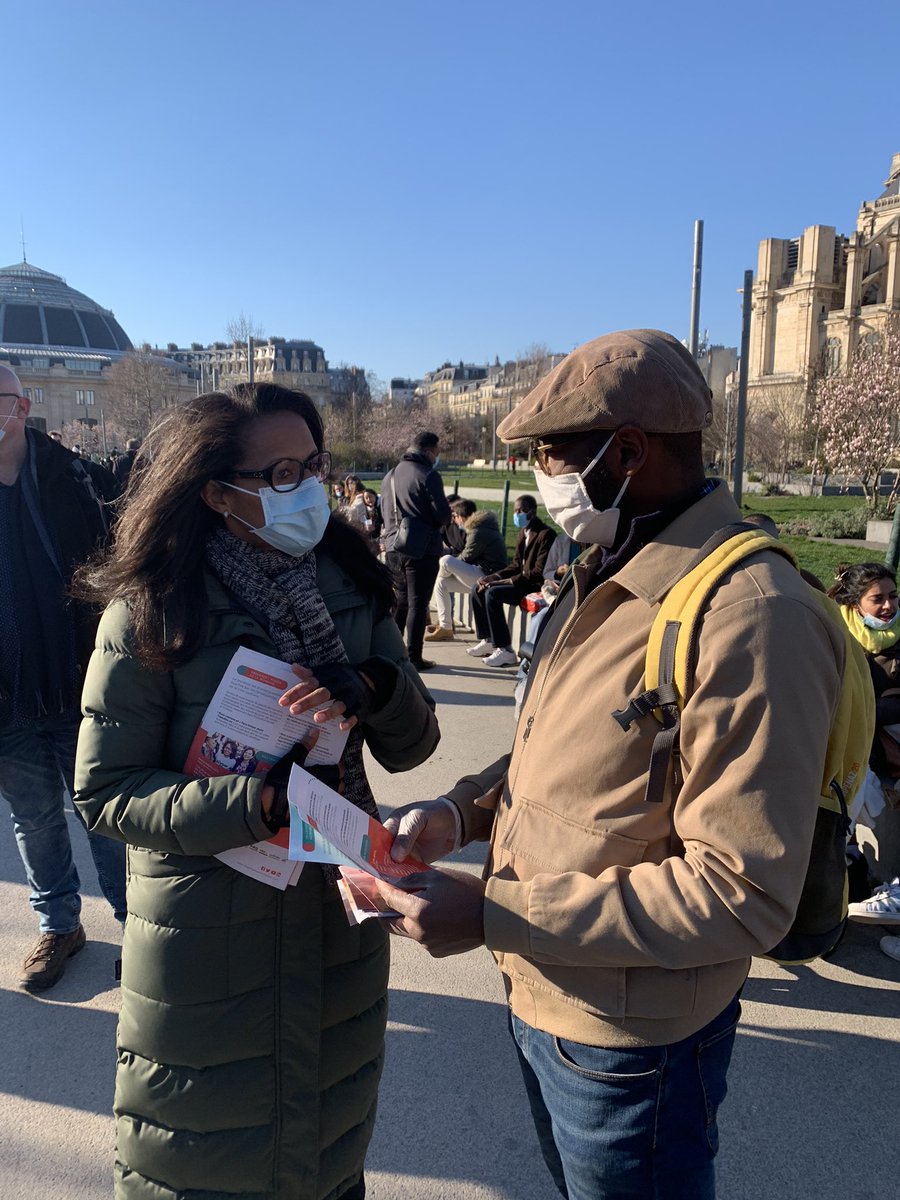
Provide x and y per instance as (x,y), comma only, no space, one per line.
(530,367)
(141,385)
(243,326)
(779,432)
(378,388)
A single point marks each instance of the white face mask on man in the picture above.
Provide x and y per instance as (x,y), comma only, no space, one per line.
(568,503)
(294,521)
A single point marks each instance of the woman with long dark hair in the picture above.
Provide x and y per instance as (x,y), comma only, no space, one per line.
(251,1031)
(867,596)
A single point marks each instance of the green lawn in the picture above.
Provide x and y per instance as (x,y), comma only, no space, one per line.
(822,558)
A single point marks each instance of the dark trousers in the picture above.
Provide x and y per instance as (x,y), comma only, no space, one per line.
(489,611)
(415,579)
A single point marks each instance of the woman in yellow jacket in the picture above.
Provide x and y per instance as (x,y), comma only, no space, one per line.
(867,595)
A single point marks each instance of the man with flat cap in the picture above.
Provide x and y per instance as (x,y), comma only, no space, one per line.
(624,923)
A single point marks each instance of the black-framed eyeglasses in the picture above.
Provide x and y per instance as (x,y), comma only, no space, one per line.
(289,473)
(14,395)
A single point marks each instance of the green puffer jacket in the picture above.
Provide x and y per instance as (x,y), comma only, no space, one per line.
(251,1033)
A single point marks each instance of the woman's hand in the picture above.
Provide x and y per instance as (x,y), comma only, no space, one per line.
(309,693)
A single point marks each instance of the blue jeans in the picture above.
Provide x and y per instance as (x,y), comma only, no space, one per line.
(629,1123)
(36,763)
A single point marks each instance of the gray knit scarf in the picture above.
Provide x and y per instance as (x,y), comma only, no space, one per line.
(281,593)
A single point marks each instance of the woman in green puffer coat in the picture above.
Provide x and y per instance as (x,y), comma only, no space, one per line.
(251,1034)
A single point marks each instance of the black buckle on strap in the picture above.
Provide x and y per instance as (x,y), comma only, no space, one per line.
(641,706)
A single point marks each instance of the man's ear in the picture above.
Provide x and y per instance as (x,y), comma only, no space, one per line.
(632,448)
(215,494)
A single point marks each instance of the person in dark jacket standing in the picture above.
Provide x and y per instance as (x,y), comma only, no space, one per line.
(510,585)
(125,462)
(50,522)
(415,490)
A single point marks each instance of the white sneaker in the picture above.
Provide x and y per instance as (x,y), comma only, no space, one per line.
(483,648)
(882,907)
(891,947)
(501,658)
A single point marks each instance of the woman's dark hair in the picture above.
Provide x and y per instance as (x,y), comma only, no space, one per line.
(853,580)
(158,559)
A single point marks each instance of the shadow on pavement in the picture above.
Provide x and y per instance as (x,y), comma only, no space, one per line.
(51,1044)
(804,1117)
(452,1104)
(445,696)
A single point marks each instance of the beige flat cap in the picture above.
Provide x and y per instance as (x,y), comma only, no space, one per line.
(636,376)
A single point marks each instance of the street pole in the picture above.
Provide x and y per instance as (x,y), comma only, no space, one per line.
(494,437)
(737,486)
(250,363)
(103,428)
(694,342)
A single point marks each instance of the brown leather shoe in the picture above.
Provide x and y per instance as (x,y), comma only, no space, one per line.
(46,964)
(439,634)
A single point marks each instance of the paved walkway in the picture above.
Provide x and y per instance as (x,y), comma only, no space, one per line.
(811,1112)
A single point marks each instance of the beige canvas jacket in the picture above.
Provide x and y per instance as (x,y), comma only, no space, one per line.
(616,921)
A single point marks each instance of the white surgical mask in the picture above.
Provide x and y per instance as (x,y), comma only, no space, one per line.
(568,503)
(295,521)
(876,622)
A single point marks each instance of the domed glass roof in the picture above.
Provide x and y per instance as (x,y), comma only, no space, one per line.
(40,309)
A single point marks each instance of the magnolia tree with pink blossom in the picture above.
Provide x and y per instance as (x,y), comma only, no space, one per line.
(858,414)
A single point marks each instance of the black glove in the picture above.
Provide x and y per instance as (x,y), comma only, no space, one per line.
(346,683)
(277,777)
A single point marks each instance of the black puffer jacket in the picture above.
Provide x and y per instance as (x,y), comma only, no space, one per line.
(416,490)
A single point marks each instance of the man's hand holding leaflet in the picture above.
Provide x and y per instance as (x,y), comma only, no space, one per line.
(352,834)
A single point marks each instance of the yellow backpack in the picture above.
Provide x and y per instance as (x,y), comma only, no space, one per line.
(668,677)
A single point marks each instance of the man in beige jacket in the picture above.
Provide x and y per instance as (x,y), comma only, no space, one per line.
(624,928)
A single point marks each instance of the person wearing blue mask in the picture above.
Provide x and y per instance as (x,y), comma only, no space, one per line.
(261,1011)
(510,585)
(867,595)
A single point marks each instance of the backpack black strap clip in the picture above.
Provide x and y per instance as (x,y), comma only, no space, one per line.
(641,706)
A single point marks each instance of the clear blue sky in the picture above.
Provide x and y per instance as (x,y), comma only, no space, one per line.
(408,182)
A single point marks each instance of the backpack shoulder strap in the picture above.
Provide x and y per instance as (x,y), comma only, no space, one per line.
(671,646)
(684,603)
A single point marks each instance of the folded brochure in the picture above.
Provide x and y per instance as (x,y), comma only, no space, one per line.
(245,731)
(326,827)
